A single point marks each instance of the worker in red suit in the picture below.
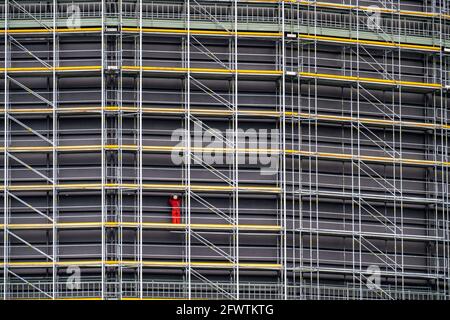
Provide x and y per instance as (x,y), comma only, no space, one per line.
(175,204)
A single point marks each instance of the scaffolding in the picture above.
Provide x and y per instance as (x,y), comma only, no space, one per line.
(351,186)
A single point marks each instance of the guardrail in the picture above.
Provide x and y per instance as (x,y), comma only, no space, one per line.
(215,291)
(247,13)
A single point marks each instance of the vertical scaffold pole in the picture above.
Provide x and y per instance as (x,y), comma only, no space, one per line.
(441,119)
(54,156)
(119,171)
(236,153)
(188,155)
(298,175)
(358,161)
(400,135)
(103,157)
(5,158)
(283,154)
(140,177)
(316,160)
(445,73)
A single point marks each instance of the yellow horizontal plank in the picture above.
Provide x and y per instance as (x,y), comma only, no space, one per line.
(162,298)
(204,32)
(276,72)
(226,33)
(329,155)
(279,35)
(214,112)
(145,263)
(50,69)
(59,299)
(155,187)
(370,80)
(370,43)
(232,71)
(203,70)
(145,225)
(50,30)
(99,298)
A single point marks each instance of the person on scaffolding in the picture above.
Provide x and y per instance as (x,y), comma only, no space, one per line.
(175,204)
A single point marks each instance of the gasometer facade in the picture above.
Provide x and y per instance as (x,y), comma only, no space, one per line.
(307,141)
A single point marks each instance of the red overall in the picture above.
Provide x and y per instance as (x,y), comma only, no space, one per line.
(176,213)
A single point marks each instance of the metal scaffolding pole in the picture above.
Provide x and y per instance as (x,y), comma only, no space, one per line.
(103,152)
(54,154)
(188,151)
(140,158)
(284,260)
(236,158)
(6,172)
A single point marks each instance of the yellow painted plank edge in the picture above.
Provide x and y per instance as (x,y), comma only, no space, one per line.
(371,43)
(204,32)
(156,110)
(198,264)
(50,30)
(229,150)
(145,225)
(98,186)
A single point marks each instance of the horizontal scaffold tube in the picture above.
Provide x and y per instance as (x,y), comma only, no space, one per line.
(50,69)
(371,43)
(204,70)
(147,30)
(256,72)
(145,225)
(219,113)
(145,263)
(210,227)
(206,32)
(279,35)
(244,34)
(147,186)
(183,264)
(62,298)
(325,76)
(165,149)
(311,75)
(50,30)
